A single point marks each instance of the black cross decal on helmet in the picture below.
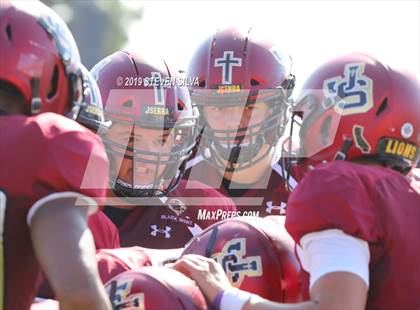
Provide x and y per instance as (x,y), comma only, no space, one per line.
(227,62)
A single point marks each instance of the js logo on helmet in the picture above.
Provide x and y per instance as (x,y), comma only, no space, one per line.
(161,231)
(121,298)
(351,93)
(236,266)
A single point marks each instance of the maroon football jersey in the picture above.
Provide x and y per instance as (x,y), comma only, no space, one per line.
(372,203)
(105,233)
(180,216)
(39,155)
(266,197)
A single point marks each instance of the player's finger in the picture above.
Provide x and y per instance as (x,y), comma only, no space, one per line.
(181,267)
(186,266)
(211,264)
(201,258)
(198,259)
(192,258)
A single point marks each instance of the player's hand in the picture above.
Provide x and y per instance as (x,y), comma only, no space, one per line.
(206,272)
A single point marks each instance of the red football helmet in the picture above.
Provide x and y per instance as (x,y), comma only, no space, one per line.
(144,95)
(355,107)
(39,57)
(240,69)
(256,254)
(154,288)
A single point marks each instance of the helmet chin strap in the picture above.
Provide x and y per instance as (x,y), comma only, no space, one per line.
(125,190)
(212,242)
(342,154)
(238,153)
(36,101)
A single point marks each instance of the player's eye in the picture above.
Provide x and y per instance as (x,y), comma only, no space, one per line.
(135,139)
(216,109)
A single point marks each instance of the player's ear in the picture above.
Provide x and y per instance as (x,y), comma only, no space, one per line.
(11,99)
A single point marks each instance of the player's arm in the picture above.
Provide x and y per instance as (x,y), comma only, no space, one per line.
(65,249)
(337,290)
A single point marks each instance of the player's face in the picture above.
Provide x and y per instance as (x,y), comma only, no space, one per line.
(143,170)
(232,118)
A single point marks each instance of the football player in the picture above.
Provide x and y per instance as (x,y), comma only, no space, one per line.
(355,216)
(243,92)
(45,188)
(151,134)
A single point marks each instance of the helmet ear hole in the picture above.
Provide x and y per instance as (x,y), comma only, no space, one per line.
(382,107)
(10,90)
(254,82)
(180,105)
(202,84)
(53,83)
(9,33)
(128,104)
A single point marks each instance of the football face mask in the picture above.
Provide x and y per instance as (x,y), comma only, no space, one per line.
(152,126)
(238,133)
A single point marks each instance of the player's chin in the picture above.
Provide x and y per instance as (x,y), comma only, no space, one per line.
(226,166)
(145,178)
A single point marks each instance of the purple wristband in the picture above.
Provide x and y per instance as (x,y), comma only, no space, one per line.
(217,300)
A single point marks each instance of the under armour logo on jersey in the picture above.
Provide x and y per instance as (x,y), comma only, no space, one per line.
(156,230)
(236,266)
(351,94)
(227,62)
(281,208)
(159,91)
